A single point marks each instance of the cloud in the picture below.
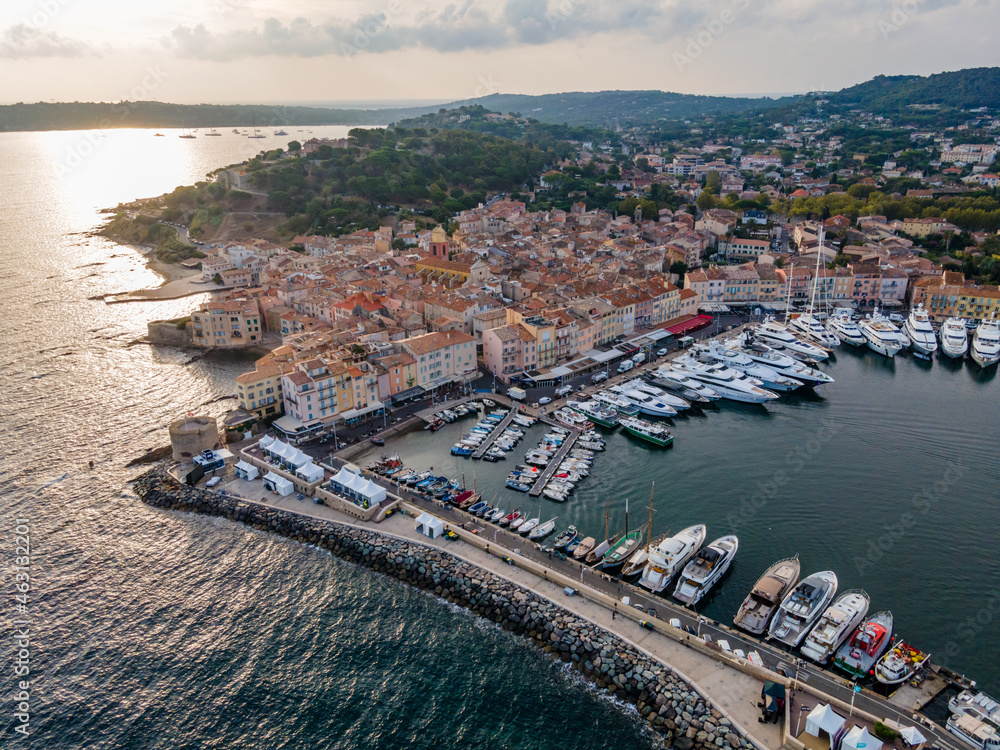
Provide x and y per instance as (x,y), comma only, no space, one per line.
(24,40)
(455,27)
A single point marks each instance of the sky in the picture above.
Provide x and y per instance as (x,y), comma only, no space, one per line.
(263,51)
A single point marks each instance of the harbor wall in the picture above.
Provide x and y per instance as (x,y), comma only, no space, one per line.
(666,702)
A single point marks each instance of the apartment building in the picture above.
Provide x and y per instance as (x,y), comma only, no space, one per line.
(227,324)
(259,392)
(442,357)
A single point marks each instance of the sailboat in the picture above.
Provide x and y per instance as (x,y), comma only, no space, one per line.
(621,550)
(212,132)
(186,134)
(597,553)
(637,562)
(808,325)
(254,134)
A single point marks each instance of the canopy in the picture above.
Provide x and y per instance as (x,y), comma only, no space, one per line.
(310,472)
(266,442)
(824,719)
(429,525)
(774,689)
(859,738)
(247,470)
(912,735)
(282,486)
(357,487)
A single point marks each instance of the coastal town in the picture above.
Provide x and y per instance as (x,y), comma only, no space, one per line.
(575,321)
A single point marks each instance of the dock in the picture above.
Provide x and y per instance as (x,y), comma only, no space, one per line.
(497,432)
(550,469)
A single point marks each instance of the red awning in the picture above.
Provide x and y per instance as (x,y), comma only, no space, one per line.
(694,323)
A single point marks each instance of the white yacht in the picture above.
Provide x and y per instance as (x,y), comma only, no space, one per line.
(617,402)
(775,334)
(920,332)
(705,570)
(670,556)
(986,342)
(836,625)
(882,336)
(842,326)
(763,600)
(661,395)
(647,404)
(954,338)
(980,705)
(801,608)
(808,326)
(729,383)
(687,387)
(760,352)
(768,377)
(977,733)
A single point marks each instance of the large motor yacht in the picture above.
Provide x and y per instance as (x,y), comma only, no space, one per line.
(760,352)
(836,625)
(689,388)
(801,608)
(647,404)
(670,556)
(920,332)
(954,338)
(762,602)
(729,383)
(842,326)
(705,570)
(768,377)
(809,327)
(986,342)
(882,336)
(776,335)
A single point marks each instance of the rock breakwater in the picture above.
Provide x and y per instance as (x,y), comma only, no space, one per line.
(665,701)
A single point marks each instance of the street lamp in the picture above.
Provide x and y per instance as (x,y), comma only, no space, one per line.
(798,718)
(701,621)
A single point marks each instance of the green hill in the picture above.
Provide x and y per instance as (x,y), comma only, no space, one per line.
(961,89)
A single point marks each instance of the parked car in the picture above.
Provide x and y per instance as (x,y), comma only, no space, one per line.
(545,400)
(213,481)
(661,352)
(564,390)
(599,377)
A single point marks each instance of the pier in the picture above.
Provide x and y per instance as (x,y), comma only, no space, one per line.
(550,469)
(497,432)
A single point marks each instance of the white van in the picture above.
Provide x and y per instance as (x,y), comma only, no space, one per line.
(625,366)
(564,390)
(599,377)
(639,358)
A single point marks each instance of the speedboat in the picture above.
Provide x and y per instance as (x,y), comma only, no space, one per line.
(763,600)
(835,625)
(775,334)
(801,607)
(705,570)
(678,382)
(980,705)
(670,556)
(810,327)
(646,403)
(882,336)
(900,663)
(986,342)
(858,655)
(920,332)
(954,338)
(760,352)
(730,384)
(842,326)
(767,376)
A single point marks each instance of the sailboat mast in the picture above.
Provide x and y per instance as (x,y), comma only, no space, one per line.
(649,528)
(819,254)
(607,520)
(626,516)
(788,297)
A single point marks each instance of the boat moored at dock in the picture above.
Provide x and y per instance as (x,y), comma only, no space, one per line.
(976,732)
(900,663)
(800,609)
(842,325)
(705,570)
(670,556)
(651,432)
(920,332)
(764,598)
(858,655)
(835,625)
(954,338)
(985,349)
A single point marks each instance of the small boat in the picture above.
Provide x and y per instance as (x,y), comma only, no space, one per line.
(518,485)
(584,548)
(651,432)
(158,135)
(762,602)
(528,525)
(596,412)
(705,570)
(857,657)
(900,663)
(378,440)
(565,538)
(509,518)
(542,530)
(637,562)
(621,550)
(212,132)
(836,624)
(517,522)
(461,450)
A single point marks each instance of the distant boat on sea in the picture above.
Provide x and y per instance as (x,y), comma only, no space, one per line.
(213,131)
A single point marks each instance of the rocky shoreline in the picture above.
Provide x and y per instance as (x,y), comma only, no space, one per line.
(666,702)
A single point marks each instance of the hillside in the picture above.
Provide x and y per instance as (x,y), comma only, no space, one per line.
(961,89)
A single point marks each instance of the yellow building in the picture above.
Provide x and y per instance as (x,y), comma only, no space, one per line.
(259,392)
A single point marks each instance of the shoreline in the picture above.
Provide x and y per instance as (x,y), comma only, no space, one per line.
(667,701)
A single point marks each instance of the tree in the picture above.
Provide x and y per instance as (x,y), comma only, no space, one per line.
(217,279)
(713,182)
(678,268)
(705,200)
(294,146)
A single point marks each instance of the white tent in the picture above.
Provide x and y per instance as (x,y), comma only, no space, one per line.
(429,525)
(297,458)
(310,472)
(279,484)
(266,442)
(912,736)
(246,471)
(356,487)
(859,738)
(373,492)
(824,719)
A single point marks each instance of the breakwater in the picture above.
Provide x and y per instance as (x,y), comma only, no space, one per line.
(666,702)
